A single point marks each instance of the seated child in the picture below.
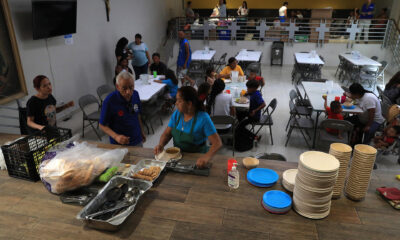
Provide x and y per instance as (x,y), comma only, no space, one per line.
(210,75)
(253,76)
(256,101)
(334,112)
(172,83)
(388,138)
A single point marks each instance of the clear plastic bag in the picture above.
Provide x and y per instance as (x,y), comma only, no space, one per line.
(73,165)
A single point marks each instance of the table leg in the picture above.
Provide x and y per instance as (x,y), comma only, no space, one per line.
(315,129)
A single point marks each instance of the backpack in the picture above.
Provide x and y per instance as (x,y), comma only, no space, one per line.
(244,138)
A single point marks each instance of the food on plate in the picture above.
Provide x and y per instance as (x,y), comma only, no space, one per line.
(242,100)
(148,174)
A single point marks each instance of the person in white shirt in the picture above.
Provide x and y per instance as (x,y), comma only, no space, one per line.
(283,12)
(243,10)
(222,8)
(220,104)
(369,121)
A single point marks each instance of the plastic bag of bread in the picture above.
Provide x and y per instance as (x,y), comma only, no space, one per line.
(76,165)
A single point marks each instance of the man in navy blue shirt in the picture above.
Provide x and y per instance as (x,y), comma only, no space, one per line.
(366,14)
(184,57)
(120,114)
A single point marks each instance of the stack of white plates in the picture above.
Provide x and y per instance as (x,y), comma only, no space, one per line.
(288,179)
(315,179)
(341,152)
(360,171)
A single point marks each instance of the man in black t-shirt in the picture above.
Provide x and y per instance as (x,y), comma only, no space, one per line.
(157,65)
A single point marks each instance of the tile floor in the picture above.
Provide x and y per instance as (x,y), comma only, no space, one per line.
(278,85)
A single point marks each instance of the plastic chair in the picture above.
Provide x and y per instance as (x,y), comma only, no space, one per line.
(266,118)
(90,116)
(227,120)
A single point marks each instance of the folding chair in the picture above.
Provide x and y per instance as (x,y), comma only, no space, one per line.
(92,116)
(298,122)
(227,120)
(266,119)
(344,126)
(103,92)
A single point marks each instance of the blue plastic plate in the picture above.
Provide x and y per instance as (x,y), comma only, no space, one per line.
(260,185)
(277,199)
(275,210)
(352,107)
(262,176)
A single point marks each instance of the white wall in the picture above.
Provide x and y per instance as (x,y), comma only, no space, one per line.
(80,68)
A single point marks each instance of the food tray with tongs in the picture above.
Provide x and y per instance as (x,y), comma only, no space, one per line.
(114,203)
(186,166)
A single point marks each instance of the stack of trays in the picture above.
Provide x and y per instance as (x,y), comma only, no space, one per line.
(276,202)
(315,179)
(262,177)
(360,171)
(341,152)
(288,179)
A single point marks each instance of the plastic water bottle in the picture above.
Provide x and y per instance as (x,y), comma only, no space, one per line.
(233,178)
(255,145)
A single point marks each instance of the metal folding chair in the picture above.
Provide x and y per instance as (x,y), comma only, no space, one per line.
(345,127)
(103,92)
(92,116)
(298,122)
(266,119)
(227,120)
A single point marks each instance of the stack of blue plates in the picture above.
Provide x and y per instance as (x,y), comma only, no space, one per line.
(277,202)
(262,177)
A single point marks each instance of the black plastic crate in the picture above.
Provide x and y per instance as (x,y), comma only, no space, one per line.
(24,156)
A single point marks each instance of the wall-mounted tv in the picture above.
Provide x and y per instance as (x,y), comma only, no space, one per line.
(53,18)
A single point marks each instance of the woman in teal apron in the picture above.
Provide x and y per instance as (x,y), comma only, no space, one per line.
(190,127)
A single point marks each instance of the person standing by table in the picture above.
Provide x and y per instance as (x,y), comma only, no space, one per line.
(369,121)
(232,66)
(367,13)
(243,11)
(283,12)
(121,50)
(190,127)
(184,57)
(222,9)
(41,108)
(157,65)
(141,57)
(120,114)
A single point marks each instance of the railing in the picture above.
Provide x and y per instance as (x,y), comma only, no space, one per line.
(293,30)
(392,42)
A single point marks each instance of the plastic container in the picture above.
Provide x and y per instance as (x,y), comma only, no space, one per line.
(230,164)
(224,34)
(233,177)
(23,157)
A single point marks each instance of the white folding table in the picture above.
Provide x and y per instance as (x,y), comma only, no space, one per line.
(248,56)
(307,58)
(203,55)
(314,92)
(147,91)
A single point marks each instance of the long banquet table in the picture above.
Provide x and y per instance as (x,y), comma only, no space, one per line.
(183,206)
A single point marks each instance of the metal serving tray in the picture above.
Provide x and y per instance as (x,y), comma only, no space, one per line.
(113,223)
(146,163)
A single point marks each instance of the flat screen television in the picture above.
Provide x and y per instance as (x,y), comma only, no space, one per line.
(53,18)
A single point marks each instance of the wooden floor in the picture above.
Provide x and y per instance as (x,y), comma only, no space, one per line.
(183,206)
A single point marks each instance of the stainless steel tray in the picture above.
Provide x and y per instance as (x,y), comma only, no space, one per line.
(146,163)
(113,223)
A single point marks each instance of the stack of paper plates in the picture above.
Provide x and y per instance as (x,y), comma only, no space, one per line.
(277,202)
(342,152)
(315,179)
(262,177)
(360,171)
(288,179)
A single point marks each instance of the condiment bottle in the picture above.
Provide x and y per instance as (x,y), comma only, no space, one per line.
(233,177)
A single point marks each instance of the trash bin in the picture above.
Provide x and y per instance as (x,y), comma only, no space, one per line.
(277,53)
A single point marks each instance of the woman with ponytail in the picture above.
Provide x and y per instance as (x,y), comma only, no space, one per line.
(220,104)
(369,121)
(190,127)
